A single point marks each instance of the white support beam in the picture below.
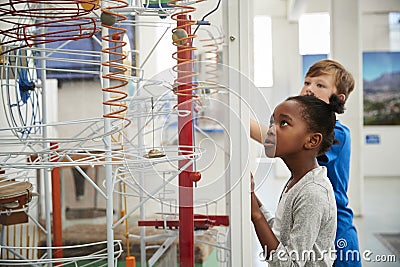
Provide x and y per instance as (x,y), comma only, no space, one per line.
(238,53)
(346,48)
(295,8)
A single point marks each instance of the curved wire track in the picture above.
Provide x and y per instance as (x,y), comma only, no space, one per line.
(29,26)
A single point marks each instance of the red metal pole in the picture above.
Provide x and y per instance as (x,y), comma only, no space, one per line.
(185,133)
(56,198)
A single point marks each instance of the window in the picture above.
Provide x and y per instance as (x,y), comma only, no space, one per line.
(263,51)
(314,34)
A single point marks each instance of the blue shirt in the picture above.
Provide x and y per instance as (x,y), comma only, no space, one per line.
(337,161)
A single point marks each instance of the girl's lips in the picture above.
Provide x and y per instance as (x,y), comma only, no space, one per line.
(269,142)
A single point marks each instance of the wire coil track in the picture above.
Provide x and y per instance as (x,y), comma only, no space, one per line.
(115,60)
(184,85)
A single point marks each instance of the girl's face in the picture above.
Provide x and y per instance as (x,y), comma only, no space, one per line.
(287,131)
(322,86)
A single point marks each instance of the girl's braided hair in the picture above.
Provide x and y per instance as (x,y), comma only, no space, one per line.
(321,117)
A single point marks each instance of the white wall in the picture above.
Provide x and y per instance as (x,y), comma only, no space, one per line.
(375,32)
(375,37)
(286,61)
(287,75)
(287,80)
(379,159)
(382,159)
(78,99)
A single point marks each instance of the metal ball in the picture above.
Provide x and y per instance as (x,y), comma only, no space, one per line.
(179,37)
(107,19)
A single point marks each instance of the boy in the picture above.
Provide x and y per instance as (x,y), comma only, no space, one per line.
(324,78)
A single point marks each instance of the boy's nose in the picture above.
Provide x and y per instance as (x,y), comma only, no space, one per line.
(310,90)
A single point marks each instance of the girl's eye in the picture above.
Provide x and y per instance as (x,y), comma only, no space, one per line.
(271,122)
(320,85)
(283,123)
(307,83)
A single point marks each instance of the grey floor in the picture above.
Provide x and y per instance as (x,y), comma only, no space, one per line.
(381,214)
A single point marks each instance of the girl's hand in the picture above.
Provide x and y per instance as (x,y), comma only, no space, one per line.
(255,207)
(253,193)
(252,184)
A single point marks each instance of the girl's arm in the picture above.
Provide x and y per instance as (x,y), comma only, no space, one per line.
(267,238)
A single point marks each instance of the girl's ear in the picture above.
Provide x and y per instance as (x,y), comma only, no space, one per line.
(342,97)
(313,140)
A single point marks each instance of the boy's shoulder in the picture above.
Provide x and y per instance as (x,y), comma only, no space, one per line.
(343,144)
(341,130)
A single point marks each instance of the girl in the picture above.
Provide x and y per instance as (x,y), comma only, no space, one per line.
(303,230)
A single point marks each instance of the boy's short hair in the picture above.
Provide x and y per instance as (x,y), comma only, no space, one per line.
(344,80)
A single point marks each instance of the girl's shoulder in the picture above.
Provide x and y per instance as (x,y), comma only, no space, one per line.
(318,175)
(315,185)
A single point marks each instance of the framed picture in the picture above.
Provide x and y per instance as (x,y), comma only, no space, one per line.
(381,82)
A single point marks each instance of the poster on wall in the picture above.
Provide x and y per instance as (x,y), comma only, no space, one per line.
(381,82)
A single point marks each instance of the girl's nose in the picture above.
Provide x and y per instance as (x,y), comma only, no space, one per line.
(271,130)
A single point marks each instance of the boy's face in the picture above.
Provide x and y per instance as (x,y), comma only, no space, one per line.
(322,86)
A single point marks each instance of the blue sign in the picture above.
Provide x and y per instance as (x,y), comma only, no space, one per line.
(372,139)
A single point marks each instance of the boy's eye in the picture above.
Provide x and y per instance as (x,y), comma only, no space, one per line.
(307,83)
(320,85)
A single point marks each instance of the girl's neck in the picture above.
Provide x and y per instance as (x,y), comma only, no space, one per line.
(299,170)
